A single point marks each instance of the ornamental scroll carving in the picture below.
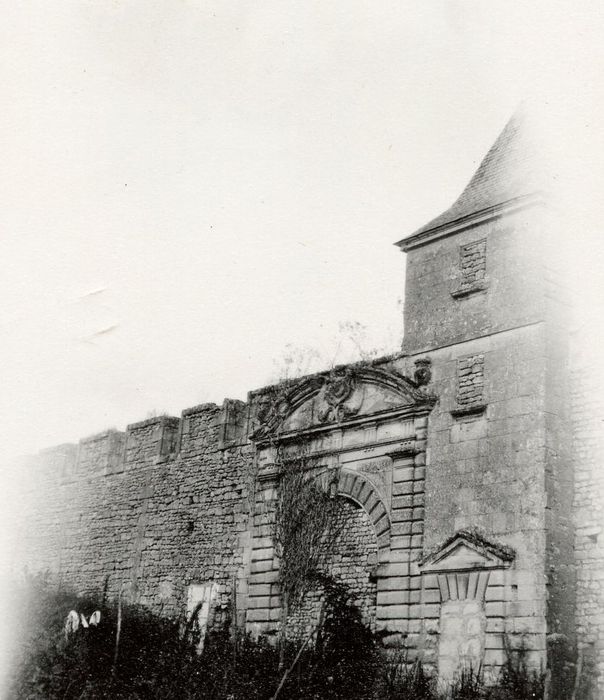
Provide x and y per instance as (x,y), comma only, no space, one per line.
(275,405)
(272,409)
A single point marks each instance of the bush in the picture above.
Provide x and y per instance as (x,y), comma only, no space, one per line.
(157,658)
(48,663)
(400,679)
(469,685)
(517,681)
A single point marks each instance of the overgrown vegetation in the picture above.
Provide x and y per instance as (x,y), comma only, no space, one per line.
(133,654)
(158,658)
(305,530)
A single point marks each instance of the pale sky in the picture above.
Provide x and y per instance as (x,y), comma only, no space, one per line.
(193,191)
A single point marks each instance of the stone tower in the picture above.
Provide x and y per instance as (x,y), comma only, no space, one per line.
(485,302)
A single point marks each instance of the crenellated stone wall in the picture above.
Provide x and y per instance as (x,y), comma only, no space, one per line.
(152,510)
(473,460)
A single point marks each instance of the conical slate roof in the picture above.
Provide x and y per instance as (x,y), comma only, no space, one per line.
(510,170)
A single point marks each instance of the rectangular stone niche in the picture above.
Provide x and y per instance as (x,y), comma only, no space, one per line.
(470,383)
(473,266)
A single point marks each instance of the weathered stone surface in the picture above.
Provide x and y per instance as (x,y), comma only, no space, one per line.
(462,637)
(488,441)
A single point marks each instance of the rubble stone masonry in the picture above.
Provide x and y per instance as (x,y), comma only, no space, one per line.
(149,511)
(469,466)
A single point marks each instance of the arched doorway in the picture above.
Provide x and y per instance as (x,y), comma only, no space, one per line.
(349,562)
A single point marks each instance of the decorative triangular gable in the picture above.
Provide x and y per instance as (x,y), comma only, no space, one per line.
(467,551)
(347,393)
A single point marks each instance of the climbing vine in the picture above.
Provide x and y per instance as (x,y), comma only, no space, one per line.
(306,530)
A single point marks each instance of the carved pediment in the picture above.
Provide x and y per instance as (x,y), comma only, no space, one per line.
(335,397)
(467,551)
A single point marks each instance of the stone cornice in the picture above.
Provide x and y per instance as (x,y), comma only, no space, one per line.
(357,421)
(474,219)
(485,554)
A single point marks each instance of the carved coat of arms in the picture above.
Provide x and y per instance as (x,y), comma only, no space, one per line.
(339,387)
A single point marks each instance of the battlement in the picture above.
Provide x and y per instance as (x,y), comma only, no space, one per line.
(146,443)
(499,432)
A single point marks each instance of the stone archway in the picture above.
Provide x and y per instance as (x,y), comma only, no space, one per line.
(363,541)
(351,562)
(362,433)
(360,490)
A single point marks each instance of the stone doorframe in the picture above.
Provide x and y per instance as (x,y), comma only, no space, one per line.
(458,578)
(262,590)
(364,429)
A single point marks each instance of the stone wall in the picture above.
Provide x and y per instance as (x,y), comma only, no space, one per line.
(486,442)
(152,510)
(588,460)
(485,466)
(352,560)
(509,295)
